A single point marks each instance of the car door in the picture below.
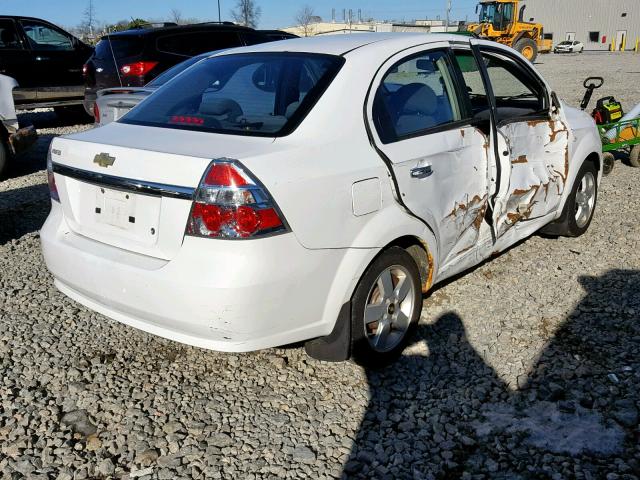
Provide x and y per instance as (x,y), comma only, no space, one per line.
(532,141)
(55,59)
(15,60)
(422,126)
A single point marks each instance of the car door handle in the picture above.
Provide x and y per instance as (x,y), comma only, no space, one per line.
(421,172)
(40,59)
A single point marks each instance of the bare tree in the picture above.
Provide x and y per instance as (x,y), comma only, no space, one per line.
(246,13)
(305,19)
(176,16)
(89,22)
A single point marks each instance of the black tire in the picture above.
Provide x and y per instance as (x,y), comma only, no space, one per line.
(523,45)
(634,156)
(73,113)
(567,225)
(363,351)
(608,162)
(4,159)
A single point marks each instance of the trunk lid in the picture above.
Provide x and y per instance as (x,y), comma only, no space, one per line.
(131,186)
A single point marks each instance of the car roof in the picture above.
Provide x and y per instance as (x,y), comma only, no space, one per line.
(342,44)
(215,26)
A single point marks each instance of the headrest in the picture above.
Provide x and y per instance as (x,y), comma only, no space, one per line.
(422,99)
(220,106)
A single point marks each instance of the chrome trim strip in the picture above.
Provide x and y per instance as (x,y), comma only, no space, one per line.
(128,184)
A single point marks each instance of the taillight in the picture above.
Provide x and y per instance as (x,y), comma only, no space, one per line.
(137,69)
(231,203)
(51,179)
(96,112)
(85,69)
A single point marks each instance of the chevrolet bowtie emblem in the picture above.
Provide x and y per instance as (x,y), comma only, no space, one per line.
(104,160)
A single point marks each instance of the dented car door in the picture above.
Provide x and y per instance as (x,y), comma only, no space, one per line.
(532,143)
(438,157)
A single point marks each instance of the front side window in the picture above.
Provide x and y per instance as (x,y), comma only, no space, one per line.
(258,94)
(9,36)
(44,37)
(417,94)
(517,92)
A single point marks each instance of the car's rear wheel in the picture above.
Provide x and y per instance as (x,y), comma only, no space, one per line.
(581,203)
(385,309)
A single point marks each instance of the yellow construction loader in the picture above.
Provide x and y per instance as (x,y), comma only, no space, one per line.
(501,21)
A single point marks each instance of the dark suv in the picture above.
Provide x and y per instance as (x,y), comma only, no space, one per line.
(46,62)
(134,57)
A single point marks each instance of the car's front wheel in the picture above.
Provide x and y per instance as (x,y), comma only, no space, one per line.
(581,203)
(385,308)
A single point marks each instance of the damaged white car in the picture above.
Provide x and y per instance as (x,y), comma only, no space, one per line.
(14,138)
(314,190)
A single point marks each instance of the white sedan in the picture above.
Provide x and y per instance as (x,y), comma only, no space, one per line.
(569,46)
(313,190)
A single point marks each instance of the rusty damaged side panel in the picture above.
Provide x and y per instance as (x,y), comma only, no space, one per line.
(539,164)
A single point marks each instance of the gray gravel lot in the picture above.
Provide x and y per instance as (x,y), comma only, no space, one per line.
(526,367)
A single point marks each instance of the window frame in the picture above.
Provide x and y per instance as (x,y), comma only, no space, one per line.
(544,114)
(31,42)
(292,124)
(462,99)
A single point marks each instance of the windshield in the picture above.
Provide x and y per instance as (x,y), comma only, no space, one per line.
(260,94)
(498,14)
(565,43)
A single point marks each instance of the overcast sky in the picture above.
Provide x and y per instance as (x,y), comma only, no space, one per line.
(275,13)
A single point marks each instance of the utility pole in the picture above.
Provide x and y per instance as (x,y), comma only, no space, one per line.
(219,15)
(446,28)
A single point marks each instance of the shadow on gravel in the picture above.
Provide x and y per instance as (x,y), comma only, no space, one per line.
(22,211)
(31,161)
(444,413)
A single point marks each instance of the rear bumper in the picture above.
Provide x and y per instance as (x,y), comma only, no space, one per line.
(221,295)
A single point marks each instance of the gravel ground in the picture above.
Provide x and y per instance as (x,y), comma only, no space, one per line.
(526,367)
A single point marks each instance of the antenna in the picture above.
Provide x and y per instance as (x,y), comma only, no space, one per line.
(113,55)
(446,28)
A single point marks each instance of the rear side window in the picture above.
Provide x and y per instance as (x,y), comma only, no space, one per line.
(9,36)
(123,47)
(266,94)
(416,95)
(189,44)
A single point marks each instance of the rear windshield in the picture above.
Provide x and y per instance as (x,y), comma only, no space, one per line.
(124,46)
(164,77)
(259,94)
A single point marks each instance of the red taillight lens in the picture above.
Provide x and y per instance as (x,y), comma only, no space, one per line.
(51,179)
(96,112)
(229,203)
(137,69)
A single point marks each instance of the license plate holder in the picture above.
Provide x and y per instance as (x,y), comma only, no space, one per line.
(115,208)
